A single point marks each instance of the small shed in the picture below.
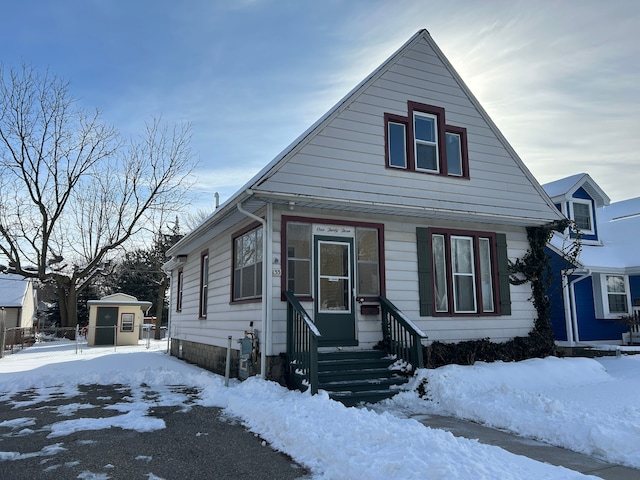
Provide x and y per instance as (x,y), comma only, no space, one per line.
(18,299)
(116,320)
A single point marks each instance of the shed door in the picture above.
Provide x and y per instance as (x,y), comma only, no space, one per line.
(334,312)
(106,321)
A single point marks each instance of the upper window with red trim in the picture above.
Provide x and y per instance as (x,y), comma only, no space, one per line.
(423,142)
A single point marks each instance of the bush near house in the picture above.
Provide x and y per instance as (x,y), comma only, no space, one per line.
(466,353)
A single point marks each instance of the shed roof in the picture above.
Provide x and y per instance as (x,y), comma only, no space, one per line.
(13,289)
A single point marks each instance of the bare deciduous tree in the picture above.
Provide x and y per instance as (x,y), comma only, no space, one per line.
(72,191)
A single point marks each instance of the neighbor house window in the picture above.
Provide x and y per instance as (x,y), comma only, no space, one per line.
(247,265)
(581,214)
(462,272)
(616,286)
(204,284)
(423,142)
(179,290)
(127,322)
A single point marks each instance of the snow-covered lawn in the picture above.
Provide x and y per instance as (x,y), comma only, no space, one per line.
(591,406)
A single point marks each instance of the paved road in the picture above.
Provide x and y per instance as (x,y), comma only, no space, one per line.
(200,443)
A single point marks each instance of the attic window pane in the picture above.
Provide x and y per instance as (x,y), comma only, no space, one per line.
(425,142)
(582,216)
(454,154)
(397,145)
(425,128)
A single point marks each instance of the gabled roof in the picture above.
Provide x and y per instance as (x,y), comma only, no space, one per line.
(120,299)
(13,289)
(533,206)
(563,189)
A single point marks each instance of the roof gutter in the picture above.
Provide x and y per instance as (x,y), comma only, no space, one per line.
(267,280)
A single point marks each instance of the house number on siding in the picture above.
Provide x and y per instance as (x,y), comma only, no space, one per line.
(276,271)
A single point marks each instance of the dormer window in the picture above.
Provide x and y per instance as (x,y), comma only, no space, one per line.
(582,214)
(423,142)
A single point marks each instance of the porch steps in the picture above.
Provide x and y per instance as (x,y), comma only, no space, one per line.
(358,376)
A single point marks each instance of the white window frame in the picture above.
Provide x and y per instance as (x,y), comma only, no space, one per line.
(129,319)
(605,295)
(471,274)
(589,204)
(434,143)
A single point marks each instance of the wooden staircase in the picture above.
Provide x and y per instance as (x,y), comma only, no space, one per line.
(358,376)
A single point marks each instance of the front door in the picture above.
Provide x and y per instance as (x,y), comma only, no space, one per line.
(106,320)
(334,311)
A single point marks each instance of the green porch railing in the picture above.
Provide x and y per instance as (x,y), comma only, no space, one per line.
(302,344)
(400,335)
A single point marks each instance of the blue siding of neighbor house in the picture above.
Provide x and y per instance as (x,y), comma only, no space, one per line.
(591,328)
(554,293)
(582,194)
(634,285)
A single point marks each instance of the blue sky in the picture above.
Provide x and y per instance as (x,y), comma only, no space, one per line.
(561,79)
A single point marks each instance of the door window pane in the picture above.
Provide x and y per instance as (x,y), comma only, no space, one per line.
(334,276)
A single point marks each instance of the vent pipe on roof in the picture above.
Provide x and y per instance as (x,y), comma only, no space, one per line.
(217,195)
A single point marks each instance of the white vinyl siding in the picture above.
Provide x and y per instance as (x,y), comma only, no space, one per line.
(345,159)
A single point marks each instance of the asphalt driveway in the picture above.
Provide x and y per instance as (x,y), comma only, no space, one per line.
(197,443)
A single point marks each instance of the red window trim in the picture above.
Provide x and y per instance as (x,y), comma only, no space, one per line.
(475,235)
(326,221)
(234,236)
(443,129)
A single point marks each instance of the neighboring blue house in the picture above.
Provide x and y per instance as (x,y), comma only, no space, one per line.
(604,285)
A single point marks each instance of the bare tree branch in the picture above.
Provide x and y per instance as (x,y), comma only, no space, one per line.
(72,191)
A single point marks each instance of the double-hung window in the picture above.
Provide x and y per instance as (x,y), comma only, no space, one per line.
(462,272)
(247,265)
(127,322)
(616,289)
(423,142)
(582,215)
(425,138)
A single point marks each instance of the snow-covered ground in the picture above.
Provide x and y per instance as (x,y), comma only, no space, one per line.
(590,406)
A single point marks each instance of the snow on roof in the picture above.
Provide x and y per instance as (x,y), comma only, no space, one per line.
(563,185)
(566,187)
(618,231)
(13,288)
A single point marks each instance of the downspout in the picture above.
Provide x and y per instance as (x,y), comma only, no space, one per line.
(266,280)
(574,312)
